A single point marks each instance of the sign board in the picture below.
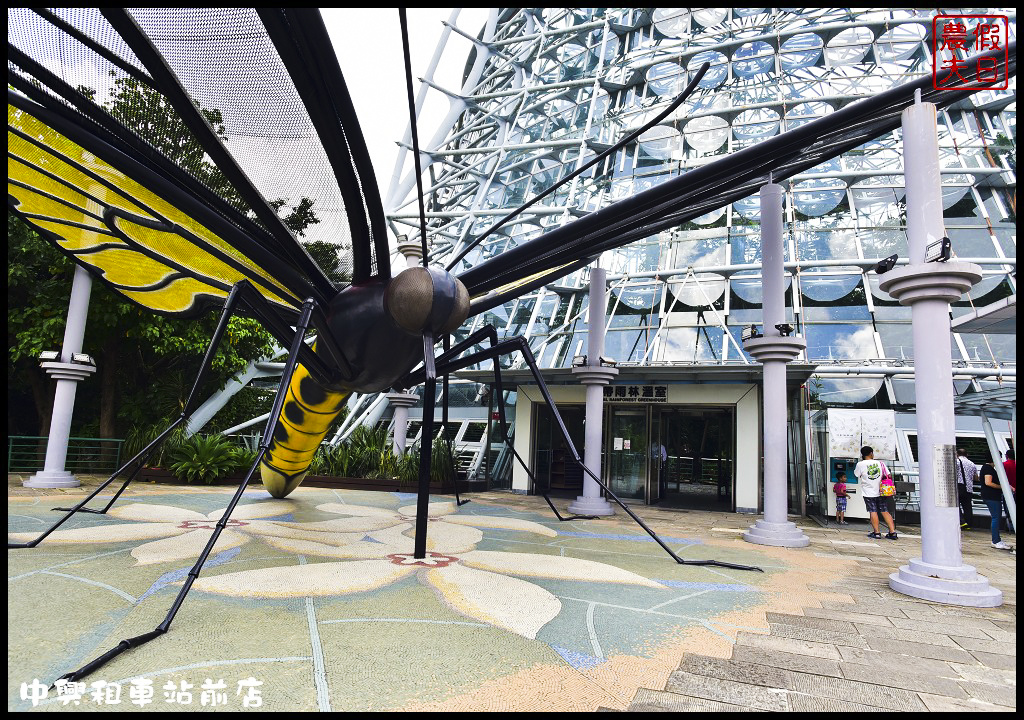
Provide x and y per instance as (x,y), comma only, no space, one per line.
(636,393)
(944,469)
(850,430)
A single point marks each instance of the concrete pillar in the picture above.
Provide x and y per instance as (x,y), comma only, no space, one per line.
(68,375)
(939,574)
(402,403)
(412,251)
(773,351)
(594,376)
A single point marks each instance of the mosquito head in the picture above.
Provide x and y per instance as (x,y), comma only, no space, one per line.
(421,299)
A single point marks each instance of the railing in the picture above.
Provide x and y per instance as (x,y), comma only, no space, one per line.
(85,455)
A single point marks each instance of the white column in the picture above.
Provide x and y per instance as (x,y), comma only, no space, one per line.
(594,376)
(412,250)
(774,350)
(67,375)
(402,403)
(939,574)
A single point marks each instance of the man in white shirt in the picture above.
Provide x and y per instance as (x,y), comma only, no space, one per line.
(869,474)
(966,472)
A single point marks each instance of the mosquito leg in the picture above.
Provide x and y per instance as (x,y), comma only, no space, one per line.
(519,343)
(426,446)
(139,460)
(489,333)
(275,413)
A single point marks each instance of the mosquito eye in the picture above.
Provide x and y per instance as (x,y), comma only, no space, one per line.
(419,299)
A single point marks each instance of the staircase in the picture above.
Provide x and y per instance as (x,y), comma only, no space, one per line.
(882,651)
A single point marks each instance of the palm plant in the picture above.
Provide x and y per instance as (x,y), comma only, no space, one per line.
(204,458)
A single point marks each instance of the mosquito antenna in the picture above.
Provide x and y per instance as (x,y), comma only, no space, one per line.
(415,135)
(621,143)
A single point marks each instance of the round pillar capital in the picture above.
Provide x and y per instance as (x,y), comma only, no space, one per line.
(775,348)
(595,374)
(403,399)
(930,281)
(68,371)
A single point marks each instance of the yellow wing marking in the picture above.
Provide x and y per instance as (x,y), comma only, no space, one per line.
(76,239)
(32,155)
(178,296)
(179,250)
(128,187)
(521,282)
(129,269)
(33,203)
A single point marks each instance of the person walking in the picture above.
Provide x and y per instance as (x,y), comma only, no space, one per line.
(966,473)
(992,494)
(869,473)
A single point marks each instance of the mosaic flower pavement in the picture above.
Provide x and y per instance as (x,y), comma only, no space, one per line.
(320,599)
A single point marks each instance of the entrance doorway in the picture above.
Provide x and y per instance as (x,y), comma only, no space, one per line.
(556,470)
(697,458)
(627,451)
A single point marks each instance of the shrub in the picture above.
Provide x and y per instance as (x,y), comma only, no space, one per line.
(139,436)
(204,458)
(442,462)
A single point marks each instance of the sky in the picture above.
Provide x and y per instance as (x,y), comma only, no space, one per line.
(368,43)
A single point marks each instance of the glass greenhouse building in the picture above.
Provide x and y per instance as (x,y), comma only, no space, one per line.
(546,89)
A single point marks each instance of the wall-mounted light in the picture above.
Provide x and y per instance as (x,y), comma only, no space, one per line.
(82,359)
(785,329)
(49,356)
(749,333)
(608,362)
(886,265)
(579,361)
(939,251)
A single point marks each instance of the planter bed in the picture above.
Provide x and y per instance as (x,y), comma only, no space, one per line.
(166,477)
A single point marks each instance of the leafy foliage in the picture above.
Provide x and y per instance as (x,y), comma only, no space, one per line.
(367,453)
(442,461)
(139,436)
(204,458)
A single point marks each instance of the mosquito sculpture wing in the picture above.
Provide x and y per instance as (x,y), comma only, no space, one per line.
(147,144)
(153,146)
(701,190)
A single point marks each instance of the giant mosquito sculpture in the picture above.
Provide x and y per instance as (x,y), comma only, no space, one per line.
(176,239)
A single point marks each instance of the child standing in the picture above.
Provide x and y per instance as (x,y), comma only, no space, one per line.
(840,490)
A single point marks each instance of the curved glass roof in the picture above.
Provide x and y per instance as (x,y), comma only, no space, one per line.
(573,82)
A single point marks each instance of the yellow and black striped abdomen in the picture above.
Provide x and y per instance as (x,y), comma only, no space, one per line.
(308,412)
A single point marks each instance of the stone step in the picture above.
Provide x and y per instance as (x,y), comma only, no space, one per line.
(728,691)
(876,658)
(661,701)
(877,696)
(818,623)
(736,670)
(788,645)
(902,677)
(786,661)
(838,613)
(797,632)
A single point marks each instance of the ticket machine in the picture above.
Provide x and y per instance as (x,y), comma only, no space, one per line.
(855,501)
(848,431)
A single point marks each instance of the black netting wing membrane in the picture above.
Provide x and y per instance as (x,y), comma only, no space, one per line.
(701,190)
(162,147)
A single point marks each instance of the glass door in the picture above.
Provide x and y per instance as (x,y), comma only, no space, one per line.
(628,453)
(700,452)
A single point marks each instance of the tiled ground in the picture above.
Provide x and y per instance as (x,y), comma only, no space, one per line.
(316,598)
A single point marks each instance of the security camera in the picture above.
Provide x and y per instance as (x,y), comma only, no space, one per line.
(887,264)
